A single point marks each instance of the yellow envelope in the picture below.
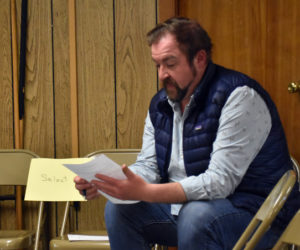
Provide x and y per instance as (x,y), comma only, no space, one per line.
(49,180)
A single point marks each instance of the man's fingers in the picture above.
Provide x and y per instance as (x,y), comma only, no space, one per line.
(79,180)
(91,193)
(80,187)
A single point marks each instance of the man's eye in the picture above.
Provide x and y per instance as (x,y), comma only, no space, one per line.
(171,65)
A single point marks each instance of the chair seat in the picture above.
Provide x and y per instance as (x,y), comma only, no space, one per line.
(60,243)
(16,239)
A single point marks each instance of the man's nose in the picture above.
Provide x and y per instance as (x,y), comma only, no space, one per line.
(162,73)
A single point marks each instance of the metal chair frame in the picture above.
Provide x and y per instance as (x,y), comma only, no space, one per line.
(267,212)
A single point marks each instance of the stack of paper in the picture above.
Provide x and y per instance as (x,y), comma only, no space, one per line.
(100,164)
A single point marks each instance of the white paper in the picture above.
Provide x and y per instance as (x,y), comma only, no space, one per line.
(100,164)
(79,237)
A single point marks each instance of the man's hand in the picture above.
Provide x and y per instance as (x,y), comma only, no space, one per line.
(85,188)
(132,188)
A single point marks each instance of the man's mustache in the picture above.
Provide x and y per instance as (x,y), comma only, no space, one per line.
(169,81)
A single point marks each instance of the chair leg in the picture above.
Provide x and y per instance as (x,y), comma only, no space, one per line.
(39,225)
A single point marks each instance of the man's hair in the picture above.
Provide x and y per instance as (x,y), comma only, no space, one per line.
(189,34)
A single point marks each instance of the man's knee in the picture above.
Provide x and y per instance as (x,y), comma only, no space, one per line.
(216,222)
(195,220)
(196,214)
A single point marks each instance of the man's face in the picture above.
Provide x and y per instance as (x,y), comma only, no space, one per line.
(174,70)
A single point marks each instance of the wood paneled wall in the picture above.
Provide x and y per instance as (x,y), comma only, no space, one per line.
(116,80)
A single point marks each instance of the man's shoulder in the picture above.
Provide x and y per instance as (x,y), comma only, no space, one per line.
(231,76)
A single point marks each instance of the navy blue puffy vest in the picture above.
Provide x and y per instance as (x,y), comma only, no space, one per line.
(200,129)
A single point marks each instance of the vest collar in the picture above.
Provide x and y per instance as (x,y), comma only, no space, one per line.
(203,86)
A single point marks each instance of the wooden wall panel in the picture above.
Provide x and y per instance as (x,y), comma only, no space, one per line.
(39,111)
(6,107)
(95,59)
(96,91)
(135,71)
(61,79)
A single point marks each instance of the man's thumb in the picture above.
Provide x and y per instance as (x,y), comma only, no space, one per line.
(127,171)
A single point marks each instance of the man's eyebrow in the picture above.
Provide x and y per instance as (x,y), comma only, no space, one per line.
(169,58)
(166,59)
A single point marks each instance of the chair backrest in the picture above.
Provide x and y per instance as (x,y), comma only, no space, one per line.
(14,166)
(267,212)
(120,156)
(14,169)
(290,236)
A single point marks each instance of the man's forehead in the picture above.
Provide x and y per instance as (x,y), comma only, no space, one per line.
(167,46)
(165,40)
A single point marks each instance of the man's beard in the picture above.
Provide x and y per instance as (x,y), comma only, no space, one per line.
(180,93)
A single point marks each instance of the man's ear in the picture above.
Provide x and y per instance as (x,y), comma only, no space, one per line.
(200,59)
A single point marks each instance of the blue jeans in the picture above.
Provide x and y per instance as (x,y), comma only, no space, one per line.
(211,225)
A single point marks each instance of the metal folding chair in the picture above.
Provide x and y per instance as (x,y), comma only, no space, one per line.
(267,212)
(14,168)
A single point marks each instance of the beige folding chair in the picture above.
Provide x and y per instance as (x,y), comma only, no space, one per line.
(267,212)
(14,167)
(290,236)
(120,156)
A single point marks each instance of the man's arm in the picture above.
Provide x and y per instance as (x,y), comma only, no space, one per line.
(146,165)
(135,188)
